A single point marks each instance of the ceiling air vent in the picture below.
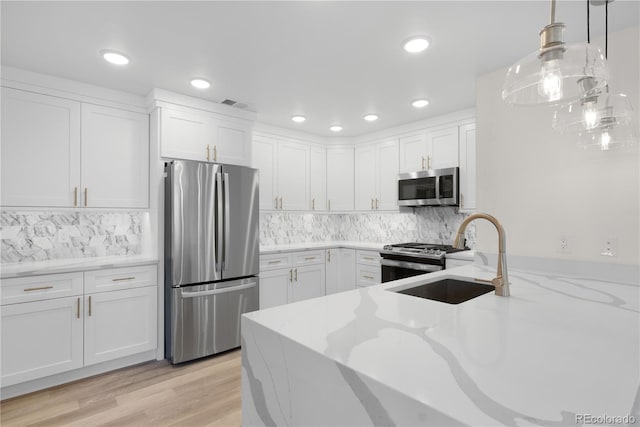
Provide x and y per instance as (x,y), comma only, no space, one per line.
(233,103)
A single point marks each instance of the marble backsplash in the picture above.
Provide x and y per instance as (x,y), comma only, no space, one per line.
(432,225)
(42,235)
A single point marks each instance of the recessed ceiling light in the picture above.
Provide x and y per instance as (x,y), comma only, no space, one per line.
(420,103)
(371,117)
(416,44)
(298,118)
(336,128)
(115,58)
(200,83)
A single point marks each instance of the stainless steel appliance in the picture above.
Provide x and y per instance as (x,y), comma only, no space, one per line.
(435,187)
(411,259)
(211,256)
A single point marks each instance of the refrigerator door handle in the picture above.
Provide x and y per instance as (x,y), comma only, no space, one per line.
(192,294)
(220,231)
(227,214)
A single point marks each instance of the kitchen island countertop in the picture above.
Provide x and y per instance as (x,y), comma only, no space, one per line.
(559,348)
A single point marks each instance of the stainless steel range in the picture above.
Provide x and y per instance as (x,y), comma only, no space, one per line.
(411,259)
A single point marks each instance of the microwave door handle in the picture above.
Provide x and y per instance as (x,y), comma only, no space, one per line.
(219,224)
(438,184)
(227,215)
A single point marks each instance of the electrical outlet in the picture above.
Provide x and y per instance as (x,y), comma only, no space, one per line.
(609,246)
(563,245)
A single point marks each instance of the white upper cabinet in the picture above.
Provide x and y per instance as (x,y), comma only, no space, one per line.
(340,179)
(468,168)
(376,176)
(443,145)
(197,135)
(63,153)
(318,178)
(293,176)
(366,174)
(435,149)
(40,150)
(265,159)
(115,158)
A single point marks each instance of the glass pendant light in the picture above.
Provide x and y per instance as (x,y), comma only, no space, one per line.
(551,74)
(601,119)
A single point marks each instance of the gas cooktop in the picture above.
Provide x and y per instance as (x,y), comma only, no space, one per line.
(420,250)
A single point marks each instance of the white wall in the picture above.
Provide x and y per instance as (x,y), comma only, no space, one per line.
(541,186)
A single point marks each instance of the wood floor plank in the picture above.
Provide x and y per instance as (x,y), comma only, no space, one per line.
(199,393)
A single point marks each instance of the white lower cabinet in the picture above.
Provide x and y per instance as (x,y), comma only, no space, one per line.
(368,270)
(50,326)
(41,338)
(274,287)
(347,276)
(308,282)
(119,324)
(331,270)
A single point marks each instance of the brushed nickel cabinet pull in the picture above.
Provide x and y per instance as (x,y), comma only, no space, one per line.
(78,308)
(75,196)
(89,305)
(86,196)
(296,274)
(423,166)
(329,255)
(367,257)
(329,203)
(276,202)
(281,203)
(377,204)
(41,288)
(461,200)
(123,279)
(215,153)
(207,152)
(291,275)
(309,258)
(274,262)
(428,162)
(368,277)
(313,204)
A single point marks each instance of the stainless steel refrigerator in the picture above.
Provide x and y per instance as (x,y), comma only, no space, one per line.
(211,256)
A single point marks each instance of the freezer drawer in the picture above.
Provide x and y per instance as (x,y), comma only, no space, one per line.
(205,319)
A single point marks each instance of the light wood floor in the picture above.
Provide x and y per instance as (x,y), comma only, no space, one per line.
(205,392)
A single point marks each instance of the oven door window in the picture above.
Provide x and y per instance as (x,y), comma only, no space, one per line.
(390,273)
(417,189)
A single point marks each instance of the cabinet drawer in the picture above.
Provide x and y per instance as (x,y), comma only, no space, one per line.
(275,261)
(368,257)
(37,288)
(120,278)
(307,258)
(368,275)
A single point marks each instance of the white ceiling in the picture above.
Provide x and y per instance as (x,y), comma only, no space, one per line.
(330,61)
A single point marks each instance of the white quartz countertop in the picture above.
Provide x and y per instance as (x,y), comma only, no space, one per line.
(559,346)
(462,255)
(71,265)
(293,247)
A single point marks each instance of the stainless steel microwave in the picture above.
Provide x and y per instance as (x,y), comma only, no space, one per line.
(436,187)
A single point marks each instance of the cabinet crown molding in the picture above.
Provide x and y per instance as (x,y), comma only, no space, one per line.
(164,98)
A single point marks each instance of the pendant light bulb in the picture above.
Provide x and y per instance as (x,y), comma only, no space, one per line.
(550,86)
(590,116)
(605,139)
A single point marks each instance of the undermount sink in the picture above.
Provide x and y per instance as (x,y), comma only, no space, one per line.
(451,291)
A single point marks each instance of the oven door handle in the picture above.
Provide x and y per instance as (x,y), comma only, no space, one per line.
(429,268)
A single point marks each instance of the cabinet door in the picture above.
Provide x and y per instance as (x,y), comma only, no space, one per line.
(293,175)
(233,144)
(274,287)
(444,148)
(468,169)
(340,179)
(308,282)
(413,153)
(332,271)
(265,159)
(366,175)
(41,338)
(186,135)
(318,178)
(388,162)
(119,323)
(347,279)
(40,150)
(115,158)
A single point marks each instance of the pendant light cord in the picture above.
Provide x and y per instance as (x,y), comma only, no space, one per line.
(553,11)
(606,29)
(588,21)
